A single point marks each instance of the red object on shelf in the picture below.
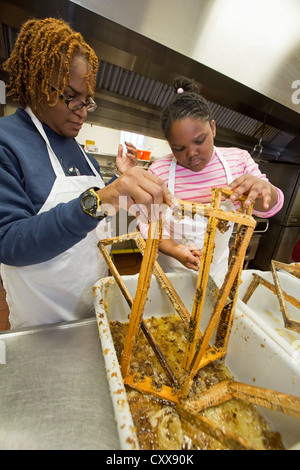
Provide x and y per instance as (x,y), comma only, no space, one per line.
(143,154)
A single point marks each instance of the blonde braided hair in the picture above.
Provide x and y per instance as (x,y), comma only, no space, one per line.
(45,47)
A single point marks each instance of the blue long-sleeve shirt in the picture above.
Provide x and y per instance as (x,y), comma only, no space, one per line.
(26,179)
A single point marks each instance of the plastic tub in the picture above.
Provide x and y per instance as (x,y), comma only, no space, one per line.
(252,356)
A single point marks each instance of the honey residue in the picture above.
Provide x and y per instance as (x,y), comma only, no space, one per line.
(158,423)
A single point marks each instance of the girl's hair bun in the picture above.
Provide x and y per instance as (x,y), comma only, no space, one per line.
(183,84)
(185,103)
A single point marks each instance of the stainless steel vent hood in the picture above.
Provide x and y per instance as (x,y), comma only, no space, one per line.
(135,77)
(131,85)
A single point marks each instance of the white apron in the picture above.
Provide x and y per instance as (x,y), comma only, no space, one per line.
(59,289)
(192,231)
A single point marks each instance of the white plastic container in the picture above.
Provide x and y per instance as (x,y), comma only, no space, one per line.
(263,308)
(253,357)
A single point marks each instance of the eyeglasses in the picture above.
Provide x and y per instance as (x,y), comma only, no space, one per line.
(74,104)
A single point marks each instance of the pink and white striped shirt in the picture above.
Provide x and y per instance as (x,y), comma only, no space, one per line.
(196,186)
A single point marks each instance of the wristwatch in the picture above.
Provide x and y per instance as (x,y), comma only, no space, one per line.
(91,203)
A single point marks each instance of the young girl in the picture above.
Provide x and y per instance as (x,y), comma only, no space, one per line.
(194,167)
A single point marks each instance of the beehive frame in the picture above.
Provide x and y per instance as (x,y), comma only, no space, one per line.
(198,351)
(276,288)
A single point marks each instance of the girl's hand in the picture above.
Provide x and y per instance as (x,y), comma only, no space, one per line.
(259,191)
(189,256)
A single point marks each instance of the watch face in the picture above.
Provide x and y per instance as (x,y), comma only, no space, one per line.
(89,202)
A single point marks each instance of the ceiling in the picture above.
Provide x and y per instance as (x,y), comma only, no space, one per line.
(135,79)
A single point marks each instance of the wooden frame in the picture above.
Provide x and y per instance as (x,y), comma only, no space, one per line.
(282,296)
(198,351)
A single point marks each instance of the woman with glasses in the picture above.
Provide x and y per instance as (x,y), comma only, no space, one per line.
(53,202)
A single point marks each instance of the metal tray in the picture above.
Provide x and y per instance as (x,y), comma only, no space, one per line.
(53,388)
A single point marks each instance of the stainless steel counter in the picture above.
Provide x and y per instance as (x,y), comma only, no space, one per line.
(53,389)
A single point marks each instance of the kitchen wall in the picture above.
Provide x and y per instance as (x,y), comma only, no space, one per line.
(107,141)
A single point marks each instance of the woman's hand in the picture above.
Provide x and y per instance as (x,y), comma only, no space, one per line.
(128,161)
(135,187)
(259,191)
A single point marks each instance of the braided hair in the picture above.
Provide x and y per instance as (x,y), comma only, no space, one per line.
(44,48)
(186,103)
